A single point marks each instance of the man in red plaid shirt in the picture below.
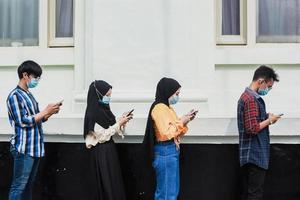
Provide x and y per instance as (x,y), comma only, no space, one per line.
(254,135)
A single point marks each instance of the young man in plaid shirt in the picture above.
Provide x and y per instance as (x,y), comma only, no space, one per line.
(27,144)
(254,135)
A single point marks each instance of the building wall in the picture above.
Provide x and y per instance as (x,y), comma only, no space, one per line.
(132,44)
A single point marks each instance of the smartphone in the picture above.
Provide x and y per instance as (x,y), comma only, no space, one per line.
(60,102)
(280,114)
(130,112)
(194,112)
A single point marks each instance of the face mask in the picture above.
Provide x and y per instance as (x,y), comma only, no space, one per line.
(105,100)
(32,83)
(263,92)
(173,99)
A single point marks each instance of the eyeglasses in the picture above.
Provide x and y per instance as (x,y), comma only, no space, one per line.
(35,77)
(269,87)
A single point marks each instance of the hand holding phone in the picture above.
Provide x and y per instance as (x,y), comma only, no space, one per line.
(273,118)
(60,103)
(129,113)
(125,118)
(192,114)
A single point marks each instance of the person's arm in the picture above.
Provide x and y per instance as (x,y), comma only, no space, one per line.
(104,135)
(101,135)
(166,125)
(18,112)
(264,124)
(21,116)
(47,112)
(41,116)
(251,115)
(184,120)
(45,118)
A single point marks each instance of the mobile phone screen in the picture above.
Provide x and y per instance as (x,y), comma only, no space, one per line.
(130,113)
(195,112)
(60,102)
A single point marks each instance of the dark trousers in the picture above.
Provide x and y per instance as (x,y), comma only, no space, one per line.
(253,178)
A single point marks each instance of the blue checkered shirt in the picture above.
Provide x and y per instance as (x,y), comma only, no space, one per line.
(28,134)
(254,144)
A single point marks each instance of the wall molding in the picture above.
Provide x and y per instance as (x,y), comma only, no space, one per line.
(202,130)
(141,97)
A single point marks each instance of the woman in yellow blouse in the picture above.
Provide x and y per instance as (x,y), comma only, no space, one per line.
(162,138)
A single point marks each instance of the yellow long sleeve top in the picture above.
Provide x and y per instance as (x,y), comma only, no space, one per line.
(167,125)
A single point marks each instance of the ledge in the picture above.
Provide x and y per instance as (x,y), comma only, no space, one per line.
(212,139)
(201,130)
(44,56)
(140,97)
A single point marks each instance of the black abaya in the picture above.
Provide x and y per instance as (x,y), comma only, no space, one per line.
(106,182)
(107,172)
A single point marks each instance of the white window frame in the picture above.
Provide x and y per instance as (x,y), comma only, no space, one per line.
(281,39)
(231,39)
(13,56)
(54,41)
(41,39)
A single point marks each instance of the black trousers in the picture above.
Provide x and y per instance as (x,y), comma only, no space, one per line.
(253,178)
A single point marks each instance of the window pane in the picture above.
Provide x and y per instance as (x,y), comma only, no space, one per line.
(278,21)
(230,17)
(64,18)
(19,21)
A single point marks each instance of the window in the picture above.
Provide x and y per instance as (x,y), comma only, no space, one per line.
(61,13)
(231,21)
(19,23)
(278,21)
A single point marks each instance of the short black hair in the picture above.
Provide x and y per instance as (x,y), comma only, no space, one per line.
(266,73)
(31,68)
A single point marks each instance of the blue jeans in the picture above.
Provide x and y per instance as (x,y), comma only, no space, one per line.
(166,166)
(24,172)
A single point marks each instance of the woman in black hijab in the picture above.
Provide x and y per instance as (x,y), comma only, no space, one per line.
(162,138)
(99,127)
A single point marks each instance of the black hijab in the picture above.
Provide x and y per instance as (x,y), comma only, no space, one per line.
(165,88)
(97,112)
